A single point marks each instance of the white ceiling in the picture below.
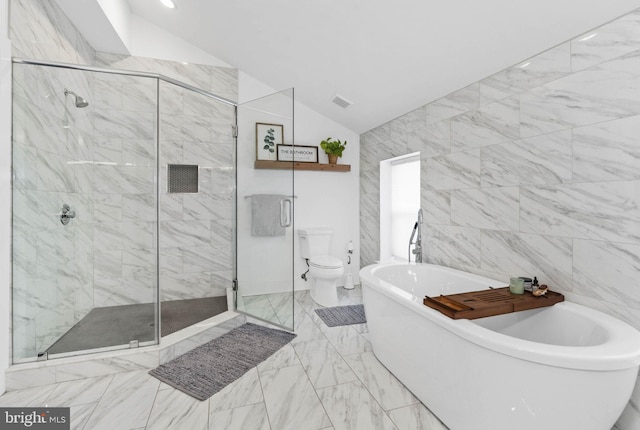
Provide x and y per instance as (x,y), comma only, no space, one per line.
(387,57)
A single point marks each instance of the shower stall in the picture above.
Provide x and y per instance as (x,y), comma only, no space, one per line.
(125,207)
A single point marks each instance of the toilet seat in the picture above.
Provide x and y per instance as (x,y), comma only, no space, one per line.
(325,262)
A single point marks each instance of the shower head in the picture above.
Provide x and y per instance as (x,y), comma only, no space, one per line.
(80,102)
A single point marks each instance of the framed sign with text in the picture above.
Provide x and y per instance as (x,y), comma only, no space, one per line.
(298,153)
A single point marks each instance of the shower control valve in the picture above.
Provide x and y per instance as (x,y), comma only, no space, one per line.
(66,214)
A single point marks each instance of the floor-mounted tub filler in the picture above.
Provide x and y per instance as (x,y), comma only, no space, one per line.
(560,367)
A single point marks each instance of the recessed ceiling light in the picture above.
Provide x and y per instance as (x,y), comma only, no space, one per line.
(588,37)
(168,3)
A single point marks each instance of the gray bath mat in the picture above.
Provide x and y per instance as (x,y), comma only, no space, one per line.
(209,368)
(342,315)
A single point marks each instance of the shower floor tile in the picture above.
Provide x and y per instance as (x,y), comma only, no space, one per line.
(118,325)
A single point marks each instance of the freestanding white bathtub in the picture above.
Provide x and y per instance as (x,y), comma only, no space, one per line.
(562,367)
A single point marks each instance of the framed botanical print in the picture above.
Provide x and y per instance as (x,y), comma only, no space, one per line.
(268,137)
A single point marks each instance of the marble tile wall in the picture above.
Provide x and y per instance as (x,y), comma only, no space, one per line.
(195,229)
(53,263)
(533,171)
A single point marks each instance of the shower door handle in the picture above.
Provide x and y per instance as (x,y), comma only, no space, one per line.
(285,212)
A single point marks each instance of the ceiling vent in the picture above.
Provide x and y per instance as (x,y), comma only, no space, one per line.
(341,101)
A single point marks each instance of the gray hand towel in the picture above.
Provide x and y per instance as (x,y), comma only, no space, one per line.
(265,215)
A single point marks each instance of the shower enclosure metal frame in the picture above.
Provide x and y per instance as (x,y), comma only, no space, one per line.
(157,190)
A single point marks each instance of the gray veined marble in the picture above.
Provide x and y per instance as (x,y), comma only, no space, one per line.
(25,172)
(377,142)
(407,132)
(194,74)
(199,105)
(139,152)
(511,253)
(208,154)
(458,170)
(185,128)
(125,124)
(221,232)
(244,417)
(437,140)
(371,148)
(139,263)
(416,128)
(324,366)
(291,400)
(369,181)
(173,409)
(415,417)
(382,384)
(458,102)
(184,233)
(350,406)
(138,207)
(494,123)
(600,211)
(172,99)
(184,286)
(37,36)
(107,264)
(607,271)
(24,254)
(607,151)
(107,207)
(123,62)
(33,397)
(120,179)
(284,357)
(111,412)
(224,82)
(123,291)
(346,339)
(530,73)
(74,393)
(203,259)
(207,207)
(171,206)
(486,208)
(611,40)
(540,160)
(140,96)
(124,235)
(108,93)
(450,245)
(604,92)
(108,150)
(436,206)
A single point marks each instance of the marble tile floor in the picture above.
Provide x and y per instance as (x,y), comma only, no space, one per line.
(326,378)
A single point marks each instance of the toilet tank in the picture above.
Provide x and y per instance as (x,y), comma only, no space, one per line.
(314,241)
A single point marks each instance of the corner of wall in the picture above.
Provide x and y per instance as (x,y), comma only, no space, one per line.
(5,191)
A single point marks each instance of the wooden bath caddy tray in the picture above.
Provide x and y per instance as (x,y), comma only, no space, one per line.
(487,303)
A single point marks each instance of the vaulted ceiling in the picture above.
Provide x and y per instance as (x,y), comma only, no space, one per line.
(386,57)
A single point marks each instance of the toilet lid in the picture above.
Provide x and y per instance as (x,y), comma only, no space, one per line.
(325,262)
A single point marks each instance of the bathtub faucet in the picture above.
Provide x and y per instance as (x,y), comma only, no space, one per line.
(417,234)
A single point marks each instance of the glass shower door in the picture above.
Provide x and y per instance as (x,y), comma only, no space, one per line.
(84,212)
(265,202)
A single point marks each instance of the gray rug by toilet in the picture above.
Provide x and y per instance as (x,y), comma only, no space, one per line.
(342,315)
(209,368)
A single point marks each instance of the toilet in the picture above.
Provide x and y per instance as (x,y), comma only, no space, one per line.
(324,269)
